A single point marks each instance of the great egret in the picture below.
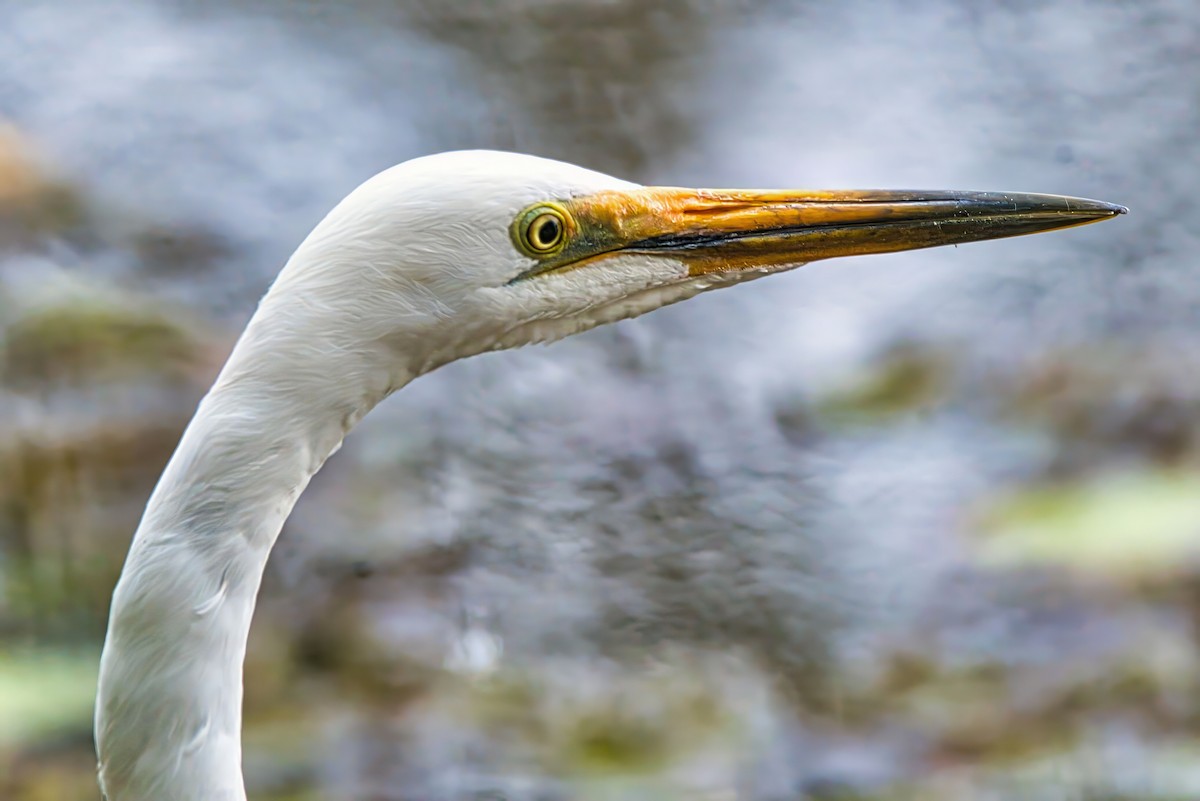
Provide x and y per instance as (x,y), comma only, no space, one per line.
(432,260)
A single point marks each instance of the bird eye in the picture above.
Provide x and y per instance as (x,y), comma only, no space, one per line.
(545,230)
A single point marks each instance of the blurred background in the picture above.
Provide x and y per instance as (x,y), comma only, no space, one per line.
(922,526)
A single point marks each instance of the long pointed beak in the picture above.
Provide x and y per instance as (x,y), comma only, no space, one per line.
(729,230)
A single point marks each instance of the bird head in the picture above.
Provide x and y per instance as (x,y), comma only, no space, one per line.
(453,254)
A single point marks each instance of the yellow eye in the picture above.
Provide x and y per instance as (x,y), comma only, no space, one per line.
(546,231)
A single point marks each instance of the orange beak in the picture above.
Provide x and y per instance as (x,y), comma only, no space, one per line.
(717,230)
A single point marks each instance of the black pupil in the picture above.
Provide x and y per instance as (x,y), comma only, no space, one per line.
(546,233)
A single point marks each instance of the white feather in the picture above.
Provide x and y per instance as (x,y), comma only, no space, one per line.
(410,271)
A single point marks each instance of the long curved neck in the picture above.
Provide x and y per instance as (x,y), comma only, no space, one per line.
(168,712)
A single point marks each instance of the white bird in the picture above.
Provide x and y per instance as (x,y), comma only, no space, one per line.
(435,259)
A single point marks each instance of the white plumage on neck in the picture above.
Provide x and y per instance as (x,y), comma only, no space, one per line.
(169,707)
(410,271)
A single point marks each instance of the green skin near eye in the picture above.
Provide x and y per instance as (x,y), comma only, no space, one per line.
(558,239)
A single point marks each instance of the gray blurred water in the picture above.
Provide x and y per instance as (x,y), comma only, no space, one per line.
(663,482)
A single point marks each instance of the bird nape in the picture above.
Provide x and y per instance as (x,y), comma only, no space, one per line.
(433,260)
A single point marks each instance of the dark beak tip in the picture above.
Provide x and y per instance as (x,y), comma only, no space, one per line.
(1098,207)
(1101,210)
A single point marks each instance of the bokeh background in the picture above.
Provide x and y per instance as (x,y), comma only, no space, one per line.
(922,526)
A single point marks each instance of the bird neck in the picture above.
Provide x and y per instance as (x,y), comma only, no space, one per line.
(168,713)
